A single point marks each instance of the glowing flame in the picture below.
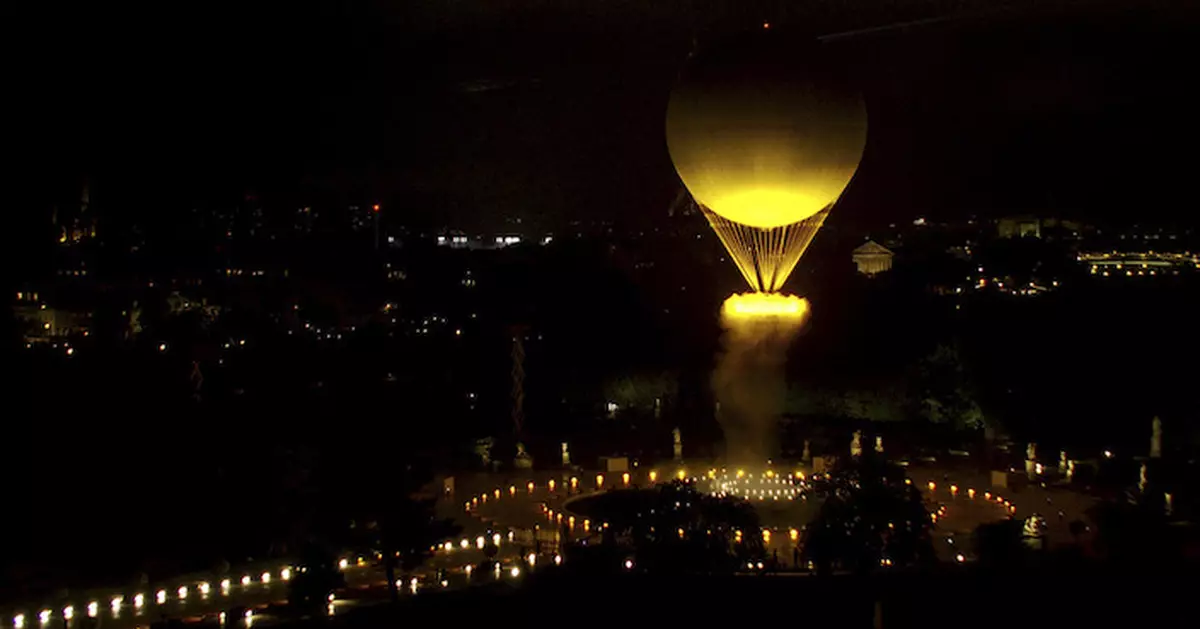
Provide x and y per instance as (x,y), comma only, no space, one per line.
(747,305)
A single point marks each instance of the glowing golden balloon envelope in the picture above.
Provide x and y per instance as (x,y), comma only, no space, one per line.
(766,140)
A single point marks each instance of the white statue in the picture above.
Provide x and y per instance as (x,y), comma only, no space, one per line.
(1062,461)
(856,444)
(1168,504)
(1143,478)
(1156,439)
(522,461)
(878,444)
(566,455)
(483,449)
(677,444)
(1031,460)
(1070,470)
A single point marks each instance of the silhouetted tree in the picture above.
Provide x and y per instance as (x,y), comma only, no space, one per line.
(869,513)
(380,507)
(674,528)
(942,392)
(1130,533)
(316,577)
(998,544)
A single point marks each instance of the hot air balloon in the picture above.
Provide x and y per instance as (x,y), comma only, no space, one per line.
(766,137)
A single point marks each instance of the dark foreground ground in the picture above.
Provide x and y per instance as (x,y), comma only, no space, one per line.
(1090,598)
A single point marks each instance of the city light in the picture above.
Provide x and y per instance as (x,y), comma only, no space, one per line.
(285,574)
(160,597)
(139,601)
(182,592)
(266,576)
(68,612)
(204,588)
(653,476)
(44,616)
(225,586)
(19,621)
(116,602)
(246,577)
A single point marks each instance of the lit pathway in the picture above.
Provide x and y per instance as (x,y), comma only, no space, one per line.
(520,512)
(964,501)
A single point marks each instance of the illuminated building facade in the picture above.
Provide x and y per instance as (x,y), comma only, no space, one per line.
(872,258)
(1019,227)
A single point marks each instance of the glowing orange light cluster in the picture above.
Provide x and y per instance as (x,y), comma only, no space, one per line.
(765,305)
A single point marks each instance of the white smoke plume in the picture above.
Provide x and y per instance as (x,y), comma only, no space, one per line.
(749,377)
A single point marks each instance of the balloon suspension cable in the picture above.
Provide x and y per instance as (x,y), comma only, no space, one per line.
(766,256)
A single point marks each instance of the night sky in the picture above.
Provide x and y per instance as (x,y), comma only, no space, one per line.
(462,113)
